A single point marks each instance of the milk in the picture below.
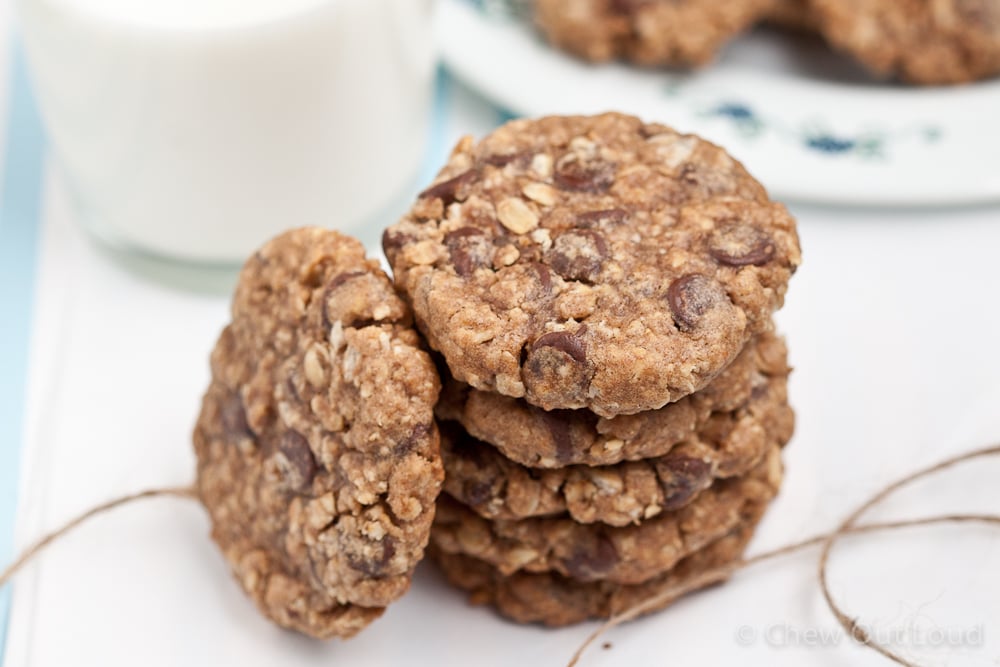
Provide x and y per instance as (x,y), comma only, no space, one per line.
(197,129)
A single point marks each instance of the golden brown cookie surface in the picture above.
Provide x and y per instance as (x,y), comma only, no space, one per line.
(554,439)
(318,457)
(592,262)
(646,32)
(554,600)
(727,444)
(598,552)
(920,41)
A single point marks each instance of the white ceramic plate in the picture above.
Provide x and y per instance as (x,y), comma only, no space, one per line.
(805,121)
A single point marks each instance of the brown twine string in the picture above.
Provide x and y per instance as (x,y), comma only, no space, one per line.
(39,546)
(849,623)
(826,541)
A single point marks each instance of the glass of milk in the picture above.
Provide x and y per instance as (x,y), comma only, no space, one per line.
(196,129)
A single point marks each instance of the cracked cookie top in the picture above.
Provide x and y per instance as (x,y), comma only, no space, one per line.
(592,262)
(318,456)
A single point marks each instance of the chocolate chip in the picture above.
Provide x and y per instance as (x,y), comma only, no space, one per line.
(469,249)
(691,297)
(563,341)
(544,275)
(594,560)
(759,388)
(627,6)
(578,254)
(741,245)
(558,424)
(417,434)
(477,492)
(342,278)
(681,477)
(555,370)
(450,191)
(462,233)
(584,175)
(688,173)
(374,566)
(503,159)
(234,417)
(605,218)
(393,240)
(302,464)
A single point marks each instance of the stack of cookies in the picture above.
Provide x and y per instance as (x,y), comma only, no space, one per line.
(599,293)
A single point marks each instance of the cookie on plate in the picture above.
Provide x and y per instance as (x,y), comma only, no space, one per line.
(321,497)
(729,444)
(554,600)
(920,41)
(592,262)
(646,32)
(591,552)
(554,439)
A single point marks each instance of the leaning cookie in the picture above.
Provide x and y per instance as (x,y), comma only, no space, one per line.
(920,41)
(554,600)
(321,498)
(592,262)
(591,552)
(646,32)
(554,439)
(729,445)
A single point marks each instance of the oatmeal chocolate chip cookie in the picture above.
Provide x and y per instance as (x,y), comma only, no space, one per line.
(318,456)
(540,439)
(646,32)
(921,41)
(591,552)
(494,487)
(592,262)
(554,600)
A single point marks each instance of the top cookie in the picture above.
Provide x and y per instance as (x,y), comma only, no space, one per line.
(921,41)
(321,496)
(647,32)
(592,262)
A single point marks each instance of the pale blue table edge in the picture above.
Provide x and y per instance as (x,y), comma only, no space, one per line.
(20,221)
(20,205)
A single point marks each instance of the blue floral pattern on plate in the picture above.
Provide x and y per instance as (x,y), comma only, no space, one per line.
(816,136)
